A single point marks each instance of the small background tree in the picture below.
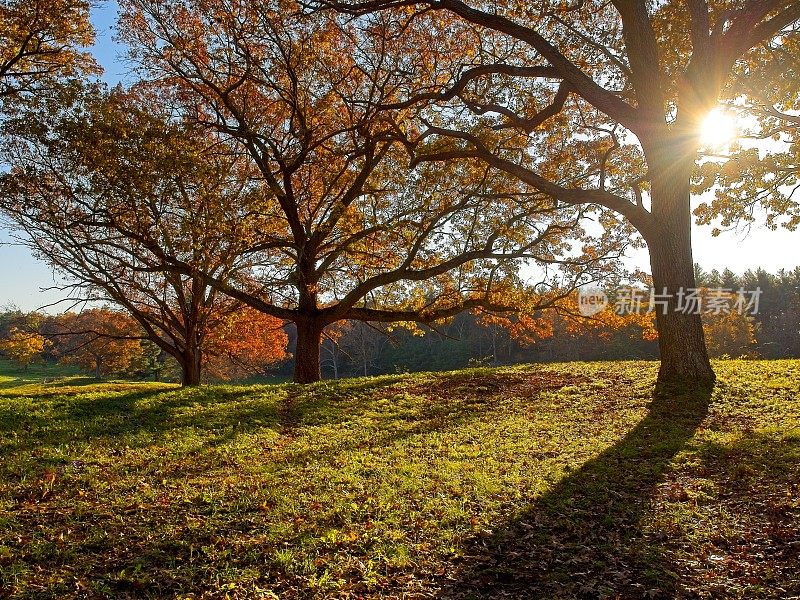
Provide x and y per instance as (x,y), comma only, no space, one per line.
(244,343)
(23,347)
(99,340)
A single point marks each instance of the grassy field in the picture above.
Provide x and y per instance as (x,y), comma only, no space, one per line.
(13,375)
(543,481)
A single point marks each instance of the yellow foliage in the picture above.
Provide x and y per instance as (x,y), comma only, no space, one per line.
(730,334)
(23,347)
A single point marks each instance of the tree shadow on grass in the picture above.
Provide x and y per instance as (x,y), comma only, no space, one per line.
(58,419)
(452,401)
(583,538)
(119,412)
(222,413)
(23,380)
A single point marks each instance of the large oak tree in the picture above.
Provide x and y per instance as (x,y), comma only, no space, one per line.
(112,193)
(611,96)
(350,233)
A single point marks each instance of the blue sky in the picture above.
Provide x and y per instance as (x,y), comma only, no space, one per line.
(23,277)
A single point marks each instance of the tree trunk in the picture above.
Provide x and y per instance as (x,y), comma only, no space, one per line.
(306,355)
(191,368)
(684,358)
(98,367)
(681,341)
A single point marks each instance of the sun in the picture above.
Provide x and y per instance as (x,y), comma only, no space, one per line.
(718,129)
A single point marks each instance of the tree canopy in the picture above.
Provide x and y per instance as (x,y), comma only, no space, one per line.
(41,42)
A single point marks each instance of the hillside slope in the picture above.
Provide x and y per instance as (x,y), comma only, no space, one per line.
(561,480)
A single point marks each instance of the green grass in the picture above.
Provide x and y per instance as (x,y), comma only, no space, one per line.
(541,481)
(14,375)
